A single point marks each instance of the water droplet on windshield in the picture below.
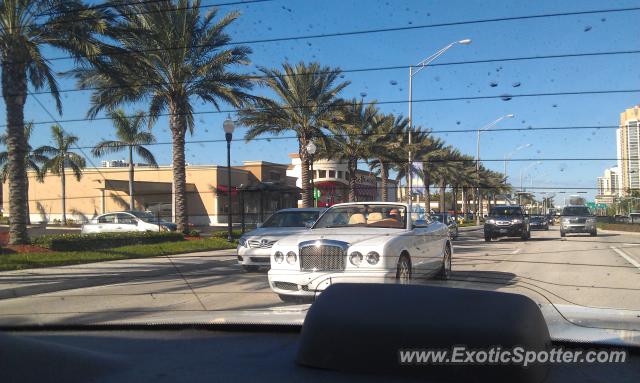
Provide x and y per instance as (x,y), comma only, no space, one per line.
(515,84)
(603,19)
(363,94)
(457,123)
(493,84)
(505,97)
(394,82)
(555,105)
(587,28)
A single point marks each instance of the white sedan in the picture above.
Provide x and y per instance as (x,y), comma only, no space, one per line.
(360,242)
(126,221)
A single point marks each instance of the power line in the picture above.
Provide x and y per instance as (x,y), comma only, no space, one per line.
(374,69)
(384,30)
(505,97)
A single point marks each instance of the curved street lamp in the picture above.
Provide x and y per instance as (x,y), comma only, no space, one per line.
(418,67)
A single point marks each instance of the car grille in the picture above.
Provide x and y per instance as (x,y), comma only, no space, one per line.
(260,259)
(503,223)
(286,286)
(260,244)
(323,257)
(578,220)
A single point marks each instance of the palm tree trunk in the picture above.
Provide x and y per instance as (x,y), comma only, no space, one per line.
(14,91)
(64,195)
(26,205)
(352,165)
(443,186)
(307,193)
(178,126)
(427,188)
(454,199)
(131,177)
(384,178)
(464,201)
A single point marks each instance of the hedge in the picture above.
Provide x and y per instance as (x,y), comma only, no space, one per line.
(80,242)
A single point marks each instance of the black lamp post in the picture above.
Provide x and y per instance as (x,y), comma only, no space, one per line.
(228,134)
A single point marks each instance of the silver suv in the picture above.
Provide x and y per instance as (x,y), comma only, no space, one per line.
(577,219)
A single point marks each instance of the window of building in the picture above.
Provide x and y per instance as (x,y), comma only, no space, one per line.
(274,176)
(332,174)
(322,174)
(339,173)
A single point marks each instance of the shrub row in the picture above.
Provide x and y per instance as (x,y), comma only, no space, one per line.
(80,242)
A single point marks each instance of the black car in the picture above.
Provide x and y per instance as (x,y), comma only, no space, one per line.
(506,221)
(538,222)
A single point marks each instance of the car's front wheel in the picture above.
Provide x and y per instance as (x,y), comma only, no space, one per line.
(445,270)
(250,268)
(562,233)
(487,237)
(403,272)
(594,233)
(289,298)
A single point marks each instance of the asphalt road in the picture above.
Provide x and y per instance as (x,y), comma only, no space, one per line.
(580,271)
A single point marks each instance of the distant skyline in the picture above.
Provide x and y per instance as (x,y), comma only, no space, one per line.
(589,33)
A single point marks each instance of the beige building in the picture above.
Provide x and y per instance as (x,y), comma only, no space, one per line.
(257,189)
(628,150)
(608,186)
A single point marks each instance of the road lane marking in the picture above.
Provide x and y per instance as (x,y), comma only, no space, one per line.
(625,256)
(516,251)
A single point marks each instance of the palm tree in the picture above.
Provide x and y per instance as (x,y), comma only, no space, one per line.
(32,161)
(385,140)
(432,153)
(351,136)
(26,28)
(167,52)
(61,158)
(306,101)
(131,137)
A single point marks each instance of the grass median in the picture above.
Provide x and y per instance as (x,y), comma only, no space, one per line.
(631,227)
(18,261)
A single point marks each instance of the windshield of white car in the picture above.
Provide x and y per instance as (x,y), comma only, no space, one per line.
(576,210)
(291,219)
(371,215)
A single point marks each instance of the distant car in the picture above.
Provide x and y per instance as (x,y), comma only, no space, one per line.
(448,220)
(577,219)
(254,247)
(538,222)
(126,221)
(506,221)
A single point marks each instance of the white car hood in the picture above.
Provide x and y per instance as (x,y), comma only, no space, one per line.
(350,235)
(273,232)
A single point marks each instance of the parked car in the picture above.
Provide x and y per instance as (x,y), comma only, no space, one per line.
(506,221)
(360,242)
(126,221)
(538,222)
(577,219)
(448,220)
(254,247)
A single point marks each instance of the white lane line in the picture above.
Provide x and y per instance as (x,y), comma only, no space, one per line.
(516,251)
(625,256)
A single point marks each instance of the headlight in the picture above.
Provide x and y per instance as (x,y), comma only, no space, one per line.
(373,257)
(355,258)
(517,221)
(278,257)
(242,242)
(491,221)
(291,257)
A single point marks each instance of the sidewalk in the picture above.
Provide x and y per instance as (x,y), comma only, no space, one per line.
(470,228)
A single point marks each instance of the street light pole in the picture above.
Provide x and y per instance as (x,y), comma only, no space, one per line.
(421,65)
(507,157)
(228,127)
(478,194)
(311,150)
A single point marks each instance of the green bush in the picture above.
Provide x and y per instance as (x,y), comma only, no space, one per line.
(81,242)
(193,233)
(235,234)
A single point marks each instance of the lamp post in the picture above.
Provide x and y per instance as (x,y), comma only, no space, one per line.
(524,170)
(311,150)
(508,156)
(228,127)
(483,129)
(420,66)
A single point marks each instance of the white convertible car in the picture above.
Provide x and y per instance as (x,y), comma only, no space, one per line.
(360,242)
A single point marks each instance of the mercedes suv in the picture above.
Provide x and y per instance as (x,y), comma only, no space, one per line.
(506,221)
(577,219)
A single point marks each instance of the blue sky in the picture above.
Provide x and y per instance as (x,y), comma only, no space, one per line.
(548,36)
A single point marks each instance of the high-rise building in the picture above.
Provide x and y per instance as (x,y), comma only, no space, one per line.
(608,186)
(628,150)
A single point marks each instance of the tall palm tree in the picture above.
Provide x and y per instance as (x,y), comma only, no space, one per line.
(305,102)
(26,28)
(60,159)
(402,151)
(351,136)
(385,141)
(431,152)
(131,137)
(169,53)
(33,162)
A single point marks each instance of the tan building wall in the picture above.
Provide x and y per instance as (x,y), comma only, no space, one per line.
(102,190)
(628,138)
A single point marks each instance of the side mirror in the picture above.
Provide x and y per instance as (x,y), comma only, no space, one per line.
(419,223)
(485,216)
(309,224)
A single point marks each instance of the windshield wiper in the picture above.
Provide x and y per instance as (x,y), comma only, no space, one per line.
(343,225)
